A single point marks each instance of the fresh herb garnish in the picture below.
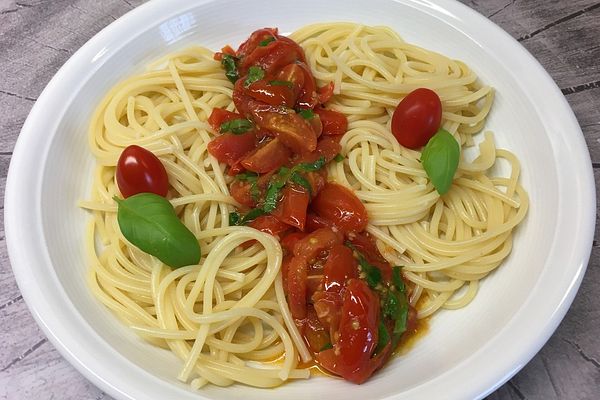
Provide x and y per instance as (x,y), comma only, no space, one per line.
(440,160)
(326,346)
(236,126)
(302,181)
(372,274)
(307,114)
(150,223)
(383,338)
(229,63)
(254,74)
(265,42)
(247,176)
(234,218)
(281,83)
(397,279)
(338,158)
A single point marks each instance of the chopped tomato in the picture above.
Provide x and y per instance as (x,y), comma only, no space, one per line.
(339,267)
(317,181)
(254,40)
(339,205)
(308,95)
(316,242)
(229,148)
(240,191)
(291,209)
(219,115)
(328,306)
(358,334)
(290,240)
(334,123)
(267,157)
(327,147)
(283,51)
(293,74)
(314,222)
(289,127)
(269,224)
(275,95)
(325,92)
(313,331)
(365,244)
(296,286)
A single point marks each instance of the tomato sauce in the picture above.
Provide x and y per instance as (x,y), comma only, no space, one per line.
(348,302)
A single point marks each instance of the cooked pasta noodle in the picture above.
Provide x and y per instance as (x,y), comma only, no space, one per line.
(227,317)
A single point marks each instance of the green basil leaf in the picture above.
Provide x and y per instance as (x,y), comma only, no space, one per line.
(247,176)
(281,83)
(338,158)
(370,273)
(307,114)
(251,215)
(383,338)
(231,72)
(326,346)
(274,188)
(236,126)
(440,160)
(149,222)
(265,42)
(401,317)
(310,167)
(397,279)
(254,74)
(302,181)
(391,305)
(234,218)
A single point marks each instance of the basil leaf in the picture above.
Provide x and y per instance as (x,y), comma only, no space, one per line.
(338,158)
(274,189)
(370,273)
(231,72)
(391,305)
(310,167)
(254,74)
(440,160)
(247,176)
(251,215)
(397,279)
(234,218)
(265,42)
(281,83)
(383,338)
(302,181)
(307,114)
(236,126)
(149,222)
(326,346)
(401,317)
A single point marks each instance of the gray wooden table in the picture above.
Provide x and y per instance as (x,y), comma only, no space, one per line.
(37,37)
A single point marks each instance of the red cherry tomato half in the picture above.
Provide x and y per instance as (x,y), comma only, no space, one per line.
(417,118)
(339,205)
(140,171)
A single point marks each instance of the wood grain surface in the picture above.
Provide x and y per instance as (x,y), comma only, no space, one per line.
(37,37)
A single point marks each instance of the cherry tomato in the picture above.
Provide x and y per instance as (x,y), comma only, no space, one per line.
(339,267)
(220,115)
(229,148)
(297,272)
(269,224)
(334,123)
(240,191)
(293,130)
(314,332)
(275,95)
(140,171)
(417,118)
(365,244)
(321,239)
(267,157)
(291,209)
(339,205)
(289,241)
(325,92)
(358,334)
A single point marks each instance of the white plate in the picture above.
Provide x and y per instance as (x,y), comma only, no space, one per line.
(466,354)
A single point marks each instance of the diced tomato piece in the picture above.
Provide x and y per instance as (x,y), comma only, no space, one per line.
(325,92)
(339,267)
(358,334)
(317,180)
(295,75)
(240,191)
(269,224)
(328,306)
(314,333)
(291,209)
(229,148)
(219,116)
(314,222)
(365,244)
(296,287)
(316,242)
(289,241)
(339,205)
(308,96)
(267,157)
(334,123)
(254,40)
(275,95)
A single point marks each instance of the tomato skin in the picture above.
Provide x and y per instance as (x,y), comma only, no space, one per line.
(358,334)
(297,273)
(325,92)
(220,115)
(269,224)
(293,130)
(291,209)
(240,191)
(334,123)
(140,171)
(271,94)
(290,240)
(365,244)
(316,242)
(339,205)
(417,118)
(339,267)
(267,157)
(229,148)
